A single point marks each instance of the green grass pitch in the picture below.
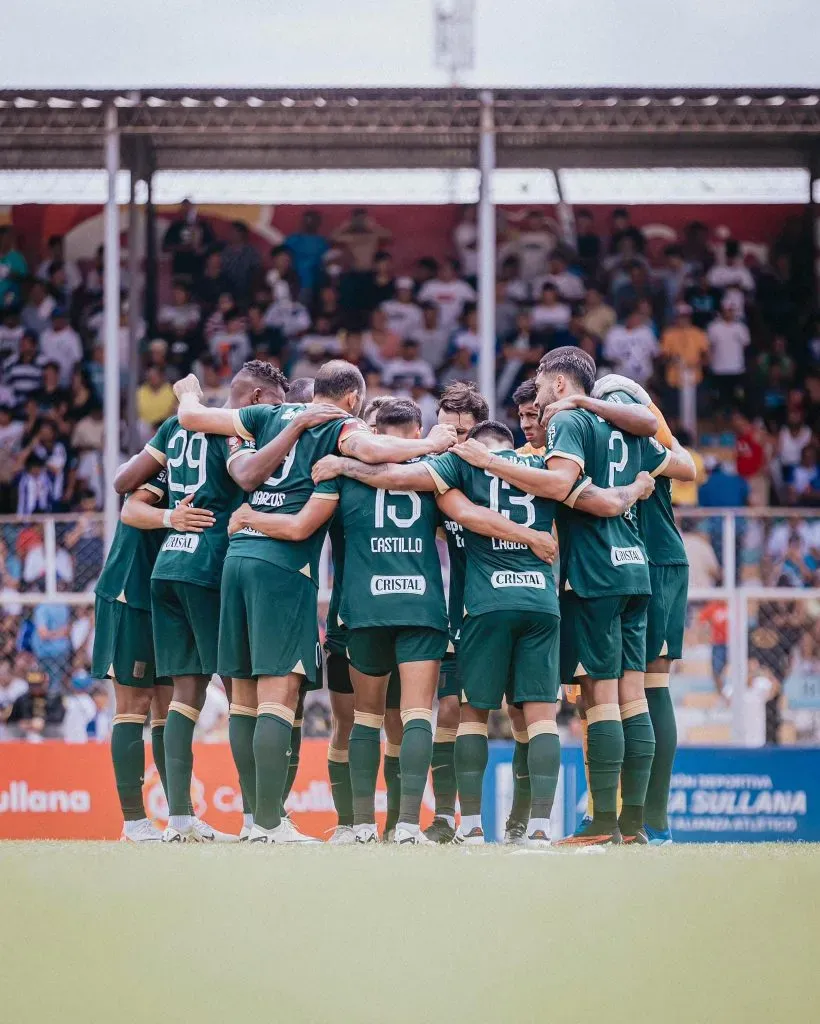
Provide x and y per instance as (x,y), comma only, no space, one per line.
(93,932)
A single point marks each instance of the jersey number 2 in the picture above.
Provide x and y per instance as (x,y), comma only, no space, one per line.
(619,465)
(193,450)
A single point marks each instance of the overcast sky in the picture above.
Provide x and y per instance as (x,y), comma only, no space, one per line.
(104,43)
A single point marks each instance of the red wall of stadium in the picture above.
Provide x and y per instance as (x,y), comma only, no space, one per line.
(55,790)
(418,230)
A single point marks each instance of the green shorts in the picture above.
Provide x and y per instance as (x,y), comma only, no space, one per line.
(186,627)
(602,637)
(124,645)
(268,624)
(512,653)
(376,650)
(666,616)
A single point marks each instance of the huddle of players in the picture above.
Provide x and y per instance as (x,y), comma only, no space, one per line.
(391,646)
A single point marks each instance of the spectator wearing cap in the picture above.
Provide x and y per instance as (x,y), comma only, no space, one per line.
(13,268)
(685,352)
(570,286)
(631,348)
(362,237)
(449,293)
(550,313)
(61,344)
(308,247)
(188,240)
(404,315)
(728,341)
(597,316)
(432,337)
(37,709)
(409,370)
(23,375)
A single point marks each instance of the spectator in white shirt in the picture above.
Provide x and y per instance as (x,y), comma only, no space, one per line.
(11,333)
(733,273)
(61,344)
(404,315)
(182,316)
(632,347)
(465,239)
(792,439)
(570,286)
(533,246)
(432,337)
(409,370)
(468,337)
(56,254)
(728,340)
(449,294)
(550,313)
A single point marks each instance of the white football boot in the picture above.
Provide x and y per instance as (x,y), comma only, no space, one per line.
(411,835)
(207,834)
(343,835)
(475,837)
(365,834)
(142,831)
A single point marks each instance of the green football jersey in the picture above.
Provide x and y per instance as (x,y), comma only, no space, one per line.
(288,490)
(601,556)
(126,575)
(392,571)
(656,517)
(335,632)
(196,464)
(501,574)
(454,534)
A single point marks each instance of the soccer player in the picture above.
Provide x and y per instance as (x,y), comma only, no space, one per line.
(604,585)
(462,406)
(124,651)
(529,416)
(186,579)
(665,621)
(269,665)
(510,634)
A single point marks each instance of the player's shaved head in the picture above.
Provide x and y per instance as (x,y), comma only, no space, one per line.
(301,390)
(258,383)
(493,434)
(564,371)
(398,412)
(340,383)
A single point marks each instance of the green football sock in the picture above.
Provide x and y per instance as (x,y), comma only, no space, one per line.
(639,752)
(443,765)
(158,750)
(340,789)
(293,762)
(605,754)
(271,743)
(179,760)
(392,780)
(544,761)
(240,734)
(471,761)
(365,755)
(662,712)
(128,755)
(414,767)
(522,794)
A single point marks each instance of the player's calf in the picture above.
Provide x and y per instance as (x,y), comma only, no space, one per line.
(544,763)
(471,763)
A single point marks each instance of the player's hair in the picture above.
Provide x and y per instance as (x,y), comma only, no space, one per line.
(461,396)
(524,394)
(264,374)
(375,404)
(572,362)
(301,390)
(398,412)
(492,428)
(336,379)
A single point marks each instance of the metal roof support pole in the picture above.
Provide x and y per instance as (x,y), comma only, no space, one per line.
(111,324)
(814,220)
(151,258)
(135,237)
(486,253)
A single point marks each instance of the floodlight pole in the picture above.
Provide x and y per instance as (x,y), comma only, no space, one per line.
(111,325)
(486,253)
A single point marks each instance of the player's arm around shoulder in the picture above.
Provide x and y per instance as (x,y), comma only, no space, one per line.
(317,511)
(454,504)
(608,502)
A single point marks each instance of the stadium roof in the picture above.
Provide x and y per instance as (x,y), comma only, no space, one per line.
(257,129)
